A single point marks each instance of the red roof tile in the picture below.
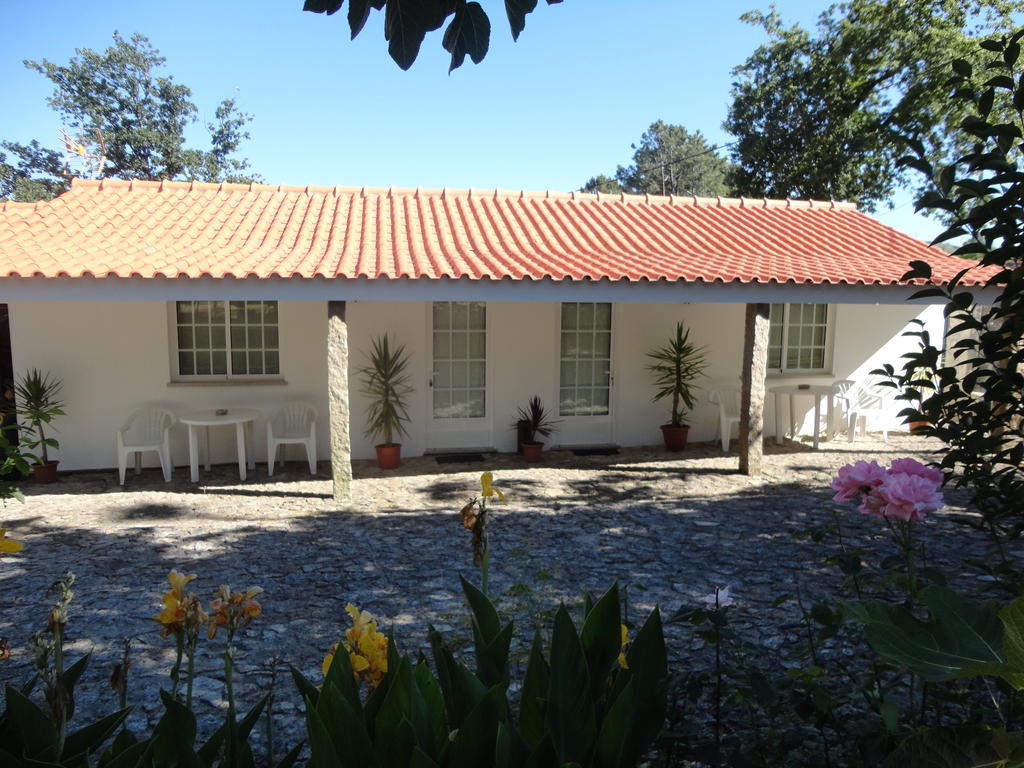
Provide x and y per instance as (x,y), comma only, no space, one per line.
(182,229)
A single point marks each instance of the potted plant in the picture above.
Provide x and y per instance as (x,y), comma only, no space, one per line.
(37,403)
(675,367)
(531,421)
(386,383)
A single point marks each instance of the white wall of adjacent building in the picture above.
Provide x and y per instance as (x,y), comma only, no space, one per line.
(115,357)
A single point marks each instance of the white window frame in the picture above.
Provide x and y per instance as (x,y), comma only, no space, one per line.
(830,321)
(191,378)
(584,417)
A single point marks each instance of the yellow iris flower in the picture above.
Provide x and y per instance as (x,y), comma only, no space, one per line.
(487,489)
(9,546)
(625,641)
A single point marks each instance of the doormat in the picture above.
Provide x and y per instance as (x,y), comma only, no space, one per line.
(608,451)
(459,458)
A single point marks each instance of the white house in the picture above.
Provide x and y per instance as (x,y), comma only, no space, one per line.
(190,295)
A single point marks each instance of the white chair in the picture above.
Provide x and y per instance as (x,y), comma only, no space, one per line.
(295,423)
(148,429)
(841,398)
(865,405)
(728,402)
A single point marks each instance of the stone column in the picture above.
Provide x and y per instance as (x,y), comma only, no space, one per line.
(337,389)
(755,369)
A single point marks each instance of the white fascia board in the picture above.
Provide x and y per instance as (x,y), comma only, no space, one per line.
(445,289)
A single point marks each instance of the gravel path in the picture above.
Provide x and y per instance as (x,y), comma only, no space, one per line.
(669,528)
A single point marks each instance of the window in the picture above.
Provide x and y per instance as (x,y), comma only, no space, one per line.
(460,359)
(226,339)
(798,337)
(585,361)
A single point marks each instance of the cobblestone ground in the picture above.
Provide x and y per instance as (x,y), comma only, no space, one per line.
(668,527)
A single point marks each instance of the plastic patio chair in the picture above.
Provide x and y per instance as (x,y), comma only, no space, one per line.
(728,402)
(865,405)
(841,418)
(295,423)
(148,429)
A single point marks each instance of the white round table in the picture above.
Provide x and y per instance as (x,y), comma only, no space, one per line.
(817,391)
(242,418)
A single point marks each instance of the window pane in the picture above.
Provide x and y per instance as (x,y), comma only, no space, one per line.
(805,358)
(442,346)
(270,336)
(220,363)
(270,312)
(819,335)
(569,317)
(442,375)
(255,337)
(586,345)
(792,358)
(184,337)
(775,357)
(603,344)
(203,363)
(253,312)
(460,374)
(603,316)
(475,404)
(586,319)
(442,403)
(820,312)
(442,315)
(239,364)
(218,338)
(806,335)
(255,362)
(460,346)
(460,315)
(217,312)
(186,364)
(202,337)
(238,336)
(818,358)
(272,363)
(237,312)
(477,374)
(567,374)
(184,311)
(478,344)
(584,373)
(202,312)
(478,315)
(600,401)
(776,314)
(565,402)
(602,372)
(569,346)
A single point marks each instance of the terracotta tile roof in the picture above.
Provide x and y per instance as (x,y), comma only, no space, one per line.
(183,229)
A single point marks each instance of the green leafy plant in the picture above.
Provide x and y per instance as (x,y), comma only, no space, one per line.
(675,367)
(37,401)
(537,420)
(12,462)
(584,703)
(386,383)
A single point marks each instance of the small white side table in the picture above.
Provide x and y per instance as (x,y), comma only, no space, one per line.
(817,391)
(242,418)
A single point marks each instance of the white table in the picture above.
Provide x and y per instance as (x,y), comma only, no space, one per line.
(242,418)
(817,391)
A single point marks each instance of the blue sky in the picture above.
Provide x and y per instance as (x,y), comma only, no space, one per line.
(560,105)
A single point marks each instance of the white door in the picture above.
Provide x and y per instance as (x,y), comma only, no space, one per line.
(585,374)
(460,412)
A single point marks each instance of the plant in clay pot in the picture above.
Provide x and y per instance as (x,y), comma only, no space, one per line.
(37,404)
(675,366)
(386,384)
(531,421)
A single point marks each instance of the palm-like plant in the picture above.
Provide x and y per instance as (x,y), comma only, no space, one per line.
(37,401)
(538,419)
(386,383)
(676,366)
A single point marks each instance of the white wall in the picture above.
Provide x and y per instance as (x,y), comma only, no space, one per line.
(114,358)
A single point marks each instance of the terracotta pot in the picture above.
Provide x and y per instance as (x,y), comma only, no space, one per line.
(531,451)
(45,473)
(389,455)
(919,427)
(675,437)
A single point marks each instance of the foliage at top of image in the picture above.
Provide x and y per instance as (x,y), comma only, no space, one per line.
(817,113)
(406,23)
(121,97)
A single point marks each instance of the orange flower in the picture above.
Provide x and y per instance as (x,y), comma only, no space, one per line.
(233,610)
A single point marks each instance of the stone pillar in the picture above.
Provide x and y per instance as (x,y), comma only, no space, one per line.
(337,389)
(755,369)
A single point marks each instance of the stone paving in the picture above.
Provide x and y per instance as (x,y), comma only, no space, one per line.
(668,527)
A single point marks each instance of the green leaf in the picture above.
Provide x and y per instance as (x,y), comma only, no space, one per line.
(433,699)
(570,711)
(476,738)
(490,639)
(601,639)
(289,760)
(346,729)
(516,11)
(949,747)
(37,732)
(468,33)
(175,735)
(306,689)
(89,738)
(322,753)
(959,634)
(534,695)
(614,729)
(648,668)
(406,23)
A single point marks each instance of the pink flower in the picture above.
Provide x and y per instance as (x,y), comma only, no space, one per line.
(858,478)
(909,497)
(874,503)
(915,467)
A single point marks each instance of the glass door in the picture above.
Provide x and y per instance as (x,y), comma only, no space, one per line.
(585,373)
(458,381)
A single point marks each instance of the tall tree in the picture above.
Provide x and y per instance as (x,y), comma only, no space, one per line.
(669,160)
(819,114)
(119,97)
